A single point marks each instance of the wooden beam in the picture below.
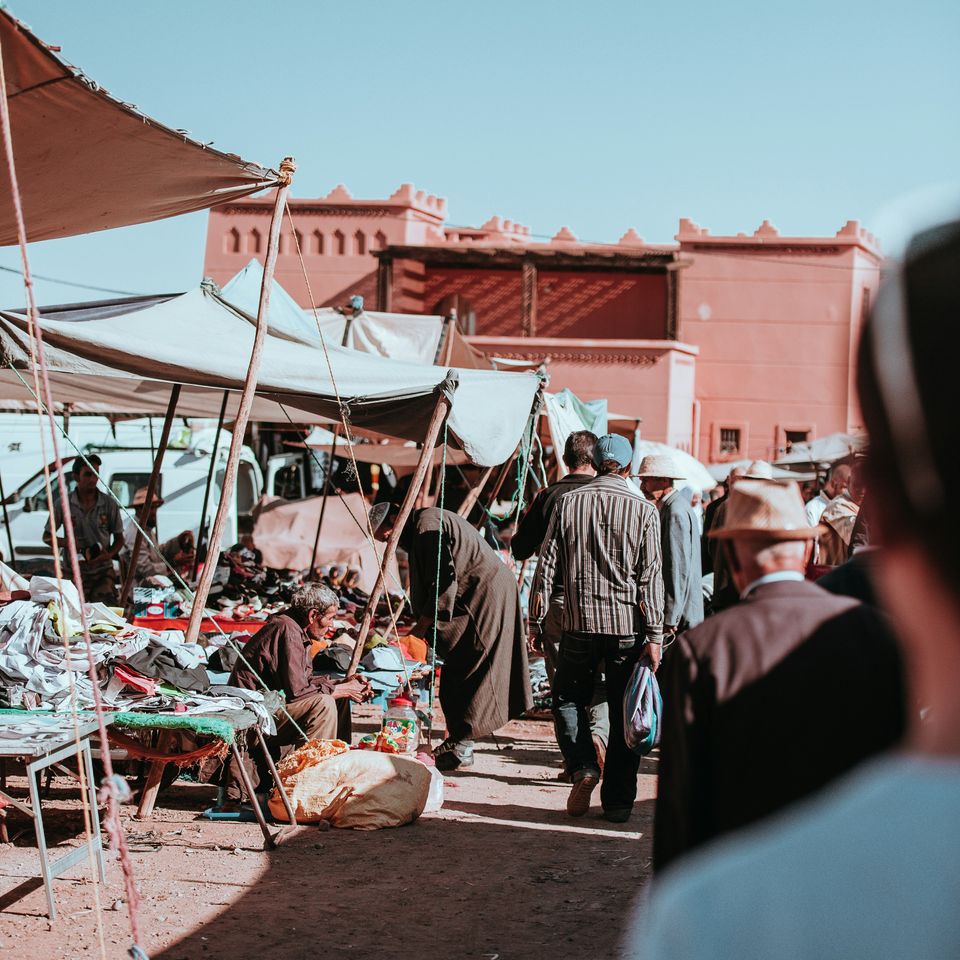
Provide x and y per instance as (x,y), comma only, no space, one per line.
(426,455)
(152,485)
(528,308)
(385,284)
(287,168)
(473,494)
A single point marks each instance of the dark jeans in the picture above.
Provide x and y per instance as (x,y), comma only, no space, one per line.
(550,639)
(580,656)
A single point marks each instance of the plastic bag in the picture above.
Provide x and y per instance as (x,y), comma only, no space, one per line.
(642,710)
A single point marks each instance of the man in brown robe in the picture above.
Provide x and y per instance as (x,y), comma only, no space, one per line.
(480,637)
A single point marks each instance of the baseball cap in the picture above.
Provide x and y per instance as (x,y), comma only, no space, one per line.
(613,447)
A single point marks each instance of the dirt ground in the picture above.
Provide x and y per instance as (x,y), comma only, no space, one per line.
(501,873)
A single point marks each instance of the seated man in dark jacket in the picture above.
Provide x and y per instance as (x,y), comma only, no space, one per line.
(277,657)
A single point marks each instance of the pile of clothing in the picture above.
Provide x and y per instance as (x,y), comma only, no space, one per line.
(44,661)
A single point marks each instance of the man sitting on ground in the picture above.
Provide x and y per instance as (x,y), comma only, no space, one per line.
(277,658)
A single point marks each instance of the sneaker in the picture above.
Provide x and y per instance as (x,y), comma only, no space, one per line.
(453,755)
(618,816)
(578,803)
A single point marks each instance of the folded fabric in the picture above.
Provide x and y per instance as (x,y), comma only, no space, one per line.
(159,662)
(384,658)
(132,678)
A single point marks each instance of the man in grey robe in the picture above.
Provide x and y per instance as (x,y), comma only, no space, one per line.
(679,543)
(457,577)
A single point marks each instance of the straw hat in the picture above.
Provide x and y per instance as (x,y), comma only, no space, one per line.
(661,465)
(140,498)
(758,470)
(765,510)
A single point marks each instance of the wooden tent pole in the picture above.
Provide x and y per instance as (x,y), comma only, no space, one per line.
(287,169)
(473,494)
(6,522)
(202,529)
(328,476)
(426,456)
(152,485)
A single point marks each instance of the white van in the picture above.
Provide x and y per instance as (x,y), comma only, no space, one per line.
(183,479)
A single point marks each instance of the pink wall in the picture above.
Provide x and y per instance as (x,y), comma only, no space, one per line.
(776,320)
(337,237)
(649,379)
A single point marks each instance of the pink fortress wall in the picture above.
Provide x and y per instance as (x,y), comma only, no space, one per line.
(777,321)
(772,321)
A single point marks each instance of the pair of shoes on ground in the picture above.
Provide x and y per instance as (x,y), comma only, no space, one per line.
(453,755)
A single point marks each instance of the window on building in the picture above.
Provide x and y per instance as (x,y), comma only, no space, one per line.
(339,243)
(729,441)
(254,241)
(318,242)
(231,242)
(795,436)
(379,240)
(360,243)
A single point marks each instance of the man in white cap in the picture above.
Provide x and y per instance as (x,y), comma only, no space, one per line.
(679,542)
(603,544)
(768,701)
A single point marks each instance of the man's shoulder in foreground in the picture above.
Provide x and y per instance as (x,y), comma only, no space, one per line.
(869,872)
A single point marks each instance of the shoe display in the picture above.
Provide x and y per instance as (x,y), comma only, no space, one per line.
(578,803)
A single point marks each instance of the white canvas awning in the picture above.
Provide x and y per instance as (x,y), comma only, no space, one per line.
(199,340)
(87,161)
(412,337)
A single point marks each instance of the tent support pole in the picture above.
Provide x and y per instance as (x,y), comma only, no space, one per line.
(473,494)
(501,479)
(328,476)
(287,168)
(202,529)
(426,457)
(6,523)
(152,484)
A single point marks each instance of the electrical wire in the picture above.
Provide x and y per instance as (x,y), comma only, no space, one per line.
(71,283)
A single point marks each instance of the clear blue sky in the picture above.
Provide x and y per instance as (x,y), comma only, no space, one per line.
(599,116)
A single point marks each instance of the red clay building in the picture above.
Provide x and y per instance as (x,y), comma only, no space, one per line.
(726,346)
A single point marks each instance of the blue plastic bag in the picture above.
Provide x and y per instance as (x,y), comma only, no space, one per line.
(642,710)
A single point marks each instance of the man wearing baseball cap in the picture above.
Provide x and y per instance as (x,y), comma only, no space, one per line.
(603,546)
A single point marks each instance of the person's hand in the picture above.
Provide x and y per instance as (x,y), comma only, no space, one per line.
(535,639)
(356,689)
(655,652)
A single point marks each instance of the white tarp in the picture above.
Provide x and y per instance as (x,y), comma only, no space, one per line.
(414,338)
(199,340)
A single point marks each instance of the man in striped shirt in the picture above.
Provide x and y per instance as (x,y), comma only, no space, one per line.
(603,546)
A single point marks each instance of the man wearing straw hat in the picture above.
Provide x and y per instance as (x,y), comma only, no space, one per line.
(768,701)
(679,543)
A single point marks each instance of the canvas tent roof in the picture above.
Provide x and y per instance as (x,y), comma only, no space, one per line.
(199,340)
(418,338)
(88,162)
